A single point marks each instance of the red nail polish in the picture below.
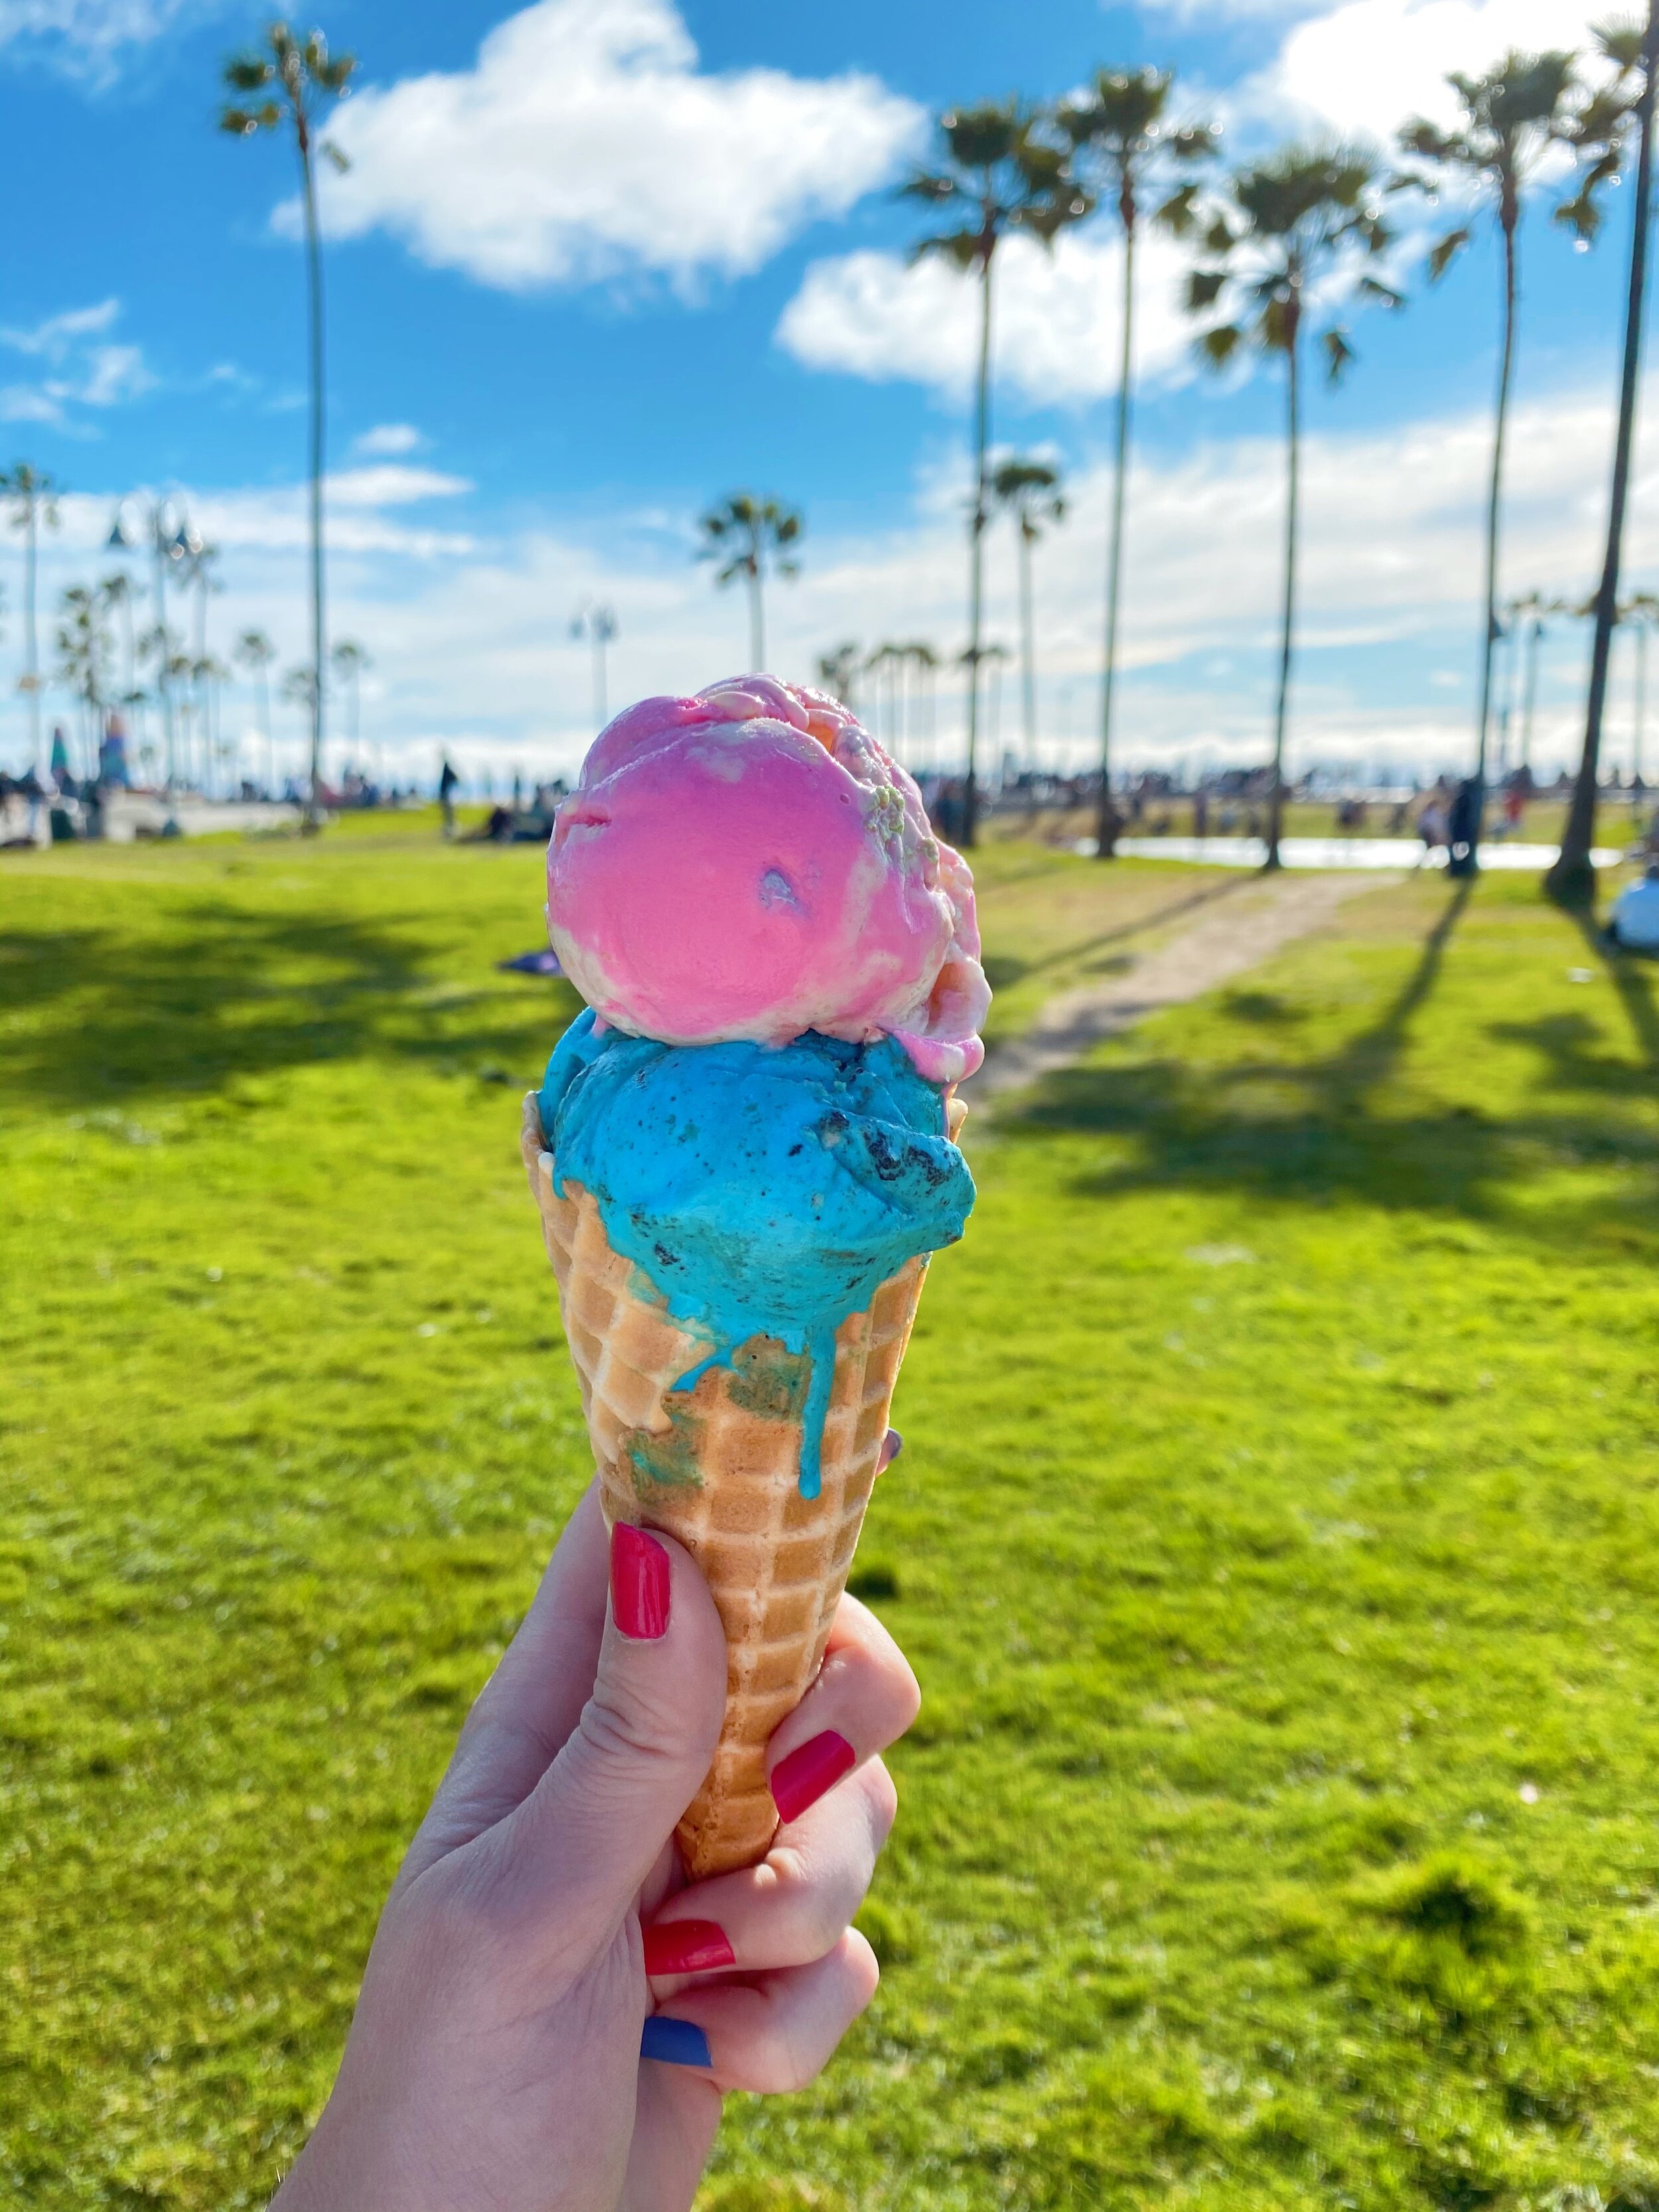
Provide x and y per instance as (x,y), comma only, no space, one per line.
(639,1583)
(687,1947)
(802,1779)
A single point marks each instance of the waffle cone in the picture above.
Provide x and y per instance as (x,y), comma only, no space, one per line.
(718,1467)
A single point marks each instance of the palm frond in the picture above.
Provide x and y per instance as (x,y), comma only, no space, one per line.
(1338,354)
(1217,345)
(1446,250)
(961,248)
(1204,289)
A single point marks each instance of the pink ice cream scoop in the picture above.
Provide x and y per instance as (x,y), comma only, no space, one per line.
(750,863)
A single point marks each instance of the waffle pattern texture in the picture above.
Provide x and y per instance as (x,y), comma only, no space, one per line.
(717,1468)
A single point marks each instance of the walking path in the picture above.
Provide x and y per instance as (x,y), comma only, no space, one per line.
(1339,852)
(1246,923)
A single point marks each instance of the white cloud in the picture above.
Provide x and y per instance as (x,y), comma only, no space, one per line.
(84,38)
(1363,67)
(55,338)
(470,653)
(583,145)
(1055,317)
(388,438)
(86,372)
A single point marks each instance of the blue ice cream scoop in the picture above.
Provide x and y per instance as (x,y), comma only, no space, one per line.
(763,1189)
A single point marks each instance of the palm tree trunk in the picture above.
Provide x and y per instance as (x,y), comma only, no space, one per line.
(163,681)
(977,554)
(30,640)
(1292,494)
(1534,636)
(1573,878)
(1027,651)
(1106,823)
(1494,524)
(756,623)
(314,272)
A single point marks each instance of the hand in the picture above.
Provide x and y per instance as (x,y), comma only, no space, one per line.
(495,2062)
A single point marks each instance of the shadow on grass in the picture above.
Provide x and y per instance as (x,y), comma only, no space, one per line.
(218,992)
(1005,971)
(1312,1131)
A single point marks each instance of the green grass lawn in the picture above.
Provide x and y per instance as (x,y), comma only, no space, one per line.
(1277,1544)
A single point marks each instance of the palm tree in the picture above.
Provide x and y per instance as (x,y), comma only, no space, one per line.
(598,625)
(1029,492)
(1634,53)
(82,645)
(197,563)
(1000,172)
(256,652)
(349,660)
(1527,617)
(1122,127)
(1512,116)
(751,538)
(293,80)
(299,688)
(116,592)
(921,667)
(838,672)
(32,496)
(1303,222)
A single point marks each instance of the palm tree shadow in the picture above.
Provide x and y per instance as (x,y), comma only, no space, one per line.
(1005,972)
(224,993)
(1312,1132)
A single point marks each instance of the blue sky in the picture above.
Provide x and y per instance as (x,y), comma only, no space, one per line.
(598,260)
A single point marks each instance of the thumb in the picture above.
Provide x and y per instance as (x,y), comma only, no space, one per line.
(600,1815)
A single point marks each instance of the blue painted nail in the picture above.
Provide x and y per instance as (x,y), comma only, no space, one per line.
(891,1445)
(675,2042)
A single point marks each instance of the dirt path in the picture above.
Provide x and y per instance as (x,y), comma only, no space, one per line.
(1238,931)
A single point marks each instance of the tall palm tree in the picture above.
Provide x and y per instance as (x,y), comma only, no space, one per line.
(255,651)
(197,565)
(31,496)
(922,668)
(838,671)
(1634,53)
(751,538)
(294,80)
(117,593)
(349,660)
(879,665)
(1527,618)
(599,626)
(1302,223)
(999,172)
(1029,493)
(82,647)
(1512,117)
(1121,127)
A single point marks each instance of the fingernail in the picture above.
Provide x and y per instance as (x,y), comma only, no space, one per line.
(802,1779)
(675,2042)
(687,1947)
(891,1445)
(639,1583)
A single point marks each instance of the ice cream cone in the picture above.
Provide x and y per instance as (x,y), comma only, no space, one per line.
(718,1467)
